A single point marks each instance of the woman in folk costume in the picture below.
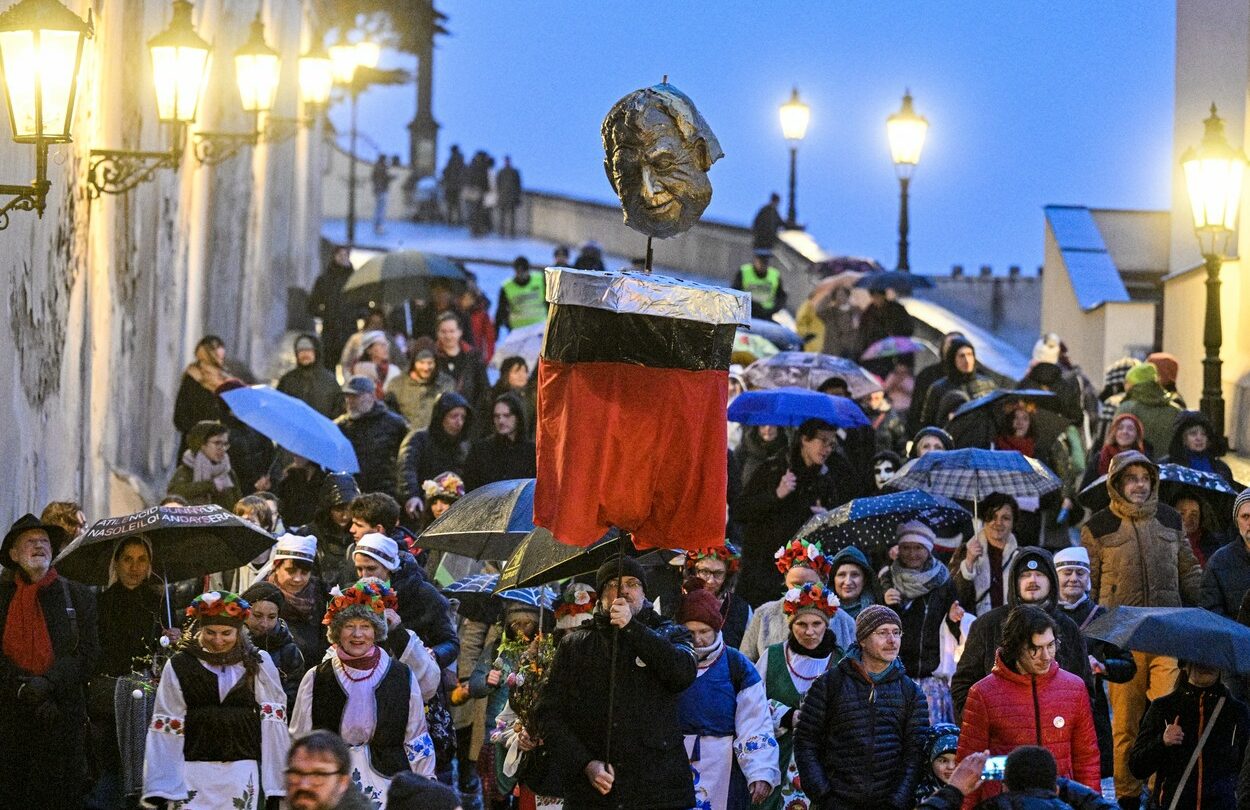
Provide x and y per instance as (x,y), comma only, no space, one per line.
(367,695)
(800,562)
(218,738)
(788,670)
(724,716)
(718,568)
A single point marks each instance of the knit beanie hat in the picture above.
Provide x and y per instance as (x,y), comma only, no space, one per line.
(305,342)
(381,548)
(1167,366)
(263,591)
(1140,373)
(913,531)
(1046,350)
(1243,498)
(943,739)
(941,435)
(698,604)
(1113,377)
(368,599)
(629,567)
(872,617)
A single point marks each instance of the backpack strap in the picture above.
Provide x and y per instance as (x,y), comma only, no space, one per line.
(71,612)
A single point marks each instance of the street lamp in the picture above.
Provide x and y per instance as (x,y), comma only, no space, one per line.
(256,70)
(40,56)
(1213,175)
(794,118)
(906,132)
(316,77)
(180,74)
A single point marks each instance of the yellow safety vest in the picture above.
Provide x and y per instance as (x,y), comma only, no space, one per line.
(527,304)
(763,289)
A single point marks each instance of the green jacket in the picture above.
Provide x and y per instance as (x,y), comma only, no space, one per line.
(1156,409)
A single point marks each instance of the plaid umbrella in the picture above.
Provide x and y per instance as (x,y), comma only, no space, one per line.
(1174,480)
(869,523)
(971,474)
(809,370)
(791,407)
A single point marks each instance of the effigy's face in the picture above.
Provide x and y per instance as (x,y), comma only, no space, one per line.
(659,176)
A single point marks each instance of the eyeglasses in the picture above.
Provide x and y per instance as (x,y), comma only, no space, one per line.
(297,775)
(1034,651)
(708,573)
(885,634)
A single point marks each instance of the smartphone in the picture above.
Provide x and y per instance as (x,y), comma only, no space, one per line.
(994,768)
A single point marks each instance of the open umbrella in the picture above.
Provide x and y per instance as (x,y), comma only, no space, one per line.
(869,523)
(486,524)
(398,276)
(809,370)
(525,343)
(1192,634)
(979,422)
(893,346)
(1173,479)
(750,347)
(971,474)
(293,425)
(790,407)
(786,340)
(541,559)
(474,593)
(902,283)
(1035,396)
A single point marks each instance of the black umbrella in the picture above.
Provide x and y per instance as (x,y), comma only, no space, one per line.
(541,558)
(1191,634)
(1174,480)
(901,282)
(487,523)
(977,423)
(187,542)
(398,276)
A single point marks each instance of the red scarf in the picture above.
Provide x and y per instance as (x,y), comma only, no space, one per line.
(366,662)
(1024,444)
(26,640)
(1195,543)
(379,385)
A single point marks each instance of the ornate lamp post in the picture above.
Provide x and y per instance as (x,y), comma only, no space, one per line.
(1213,175)
(40,56)
(795,116)
(906,132)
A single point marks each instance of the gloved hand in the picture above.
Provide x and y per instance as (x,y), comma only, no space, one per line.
(48,713)
(273,803)
(35,691)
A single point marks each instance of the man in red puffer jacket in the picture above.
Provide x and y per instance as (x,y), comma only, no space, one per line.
(1028,700)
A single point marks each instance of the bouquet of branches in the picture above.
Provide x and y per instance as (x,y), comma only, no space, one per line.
(529,675)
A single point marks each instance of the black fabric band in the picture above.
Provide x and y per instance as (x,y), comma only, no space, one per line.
(577,334)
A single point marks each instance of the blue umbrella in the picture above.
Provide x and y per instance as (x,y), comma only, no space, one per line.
(294,425)
(790,407)
(902,283)
(971,474)
(474,594)
(1192,634)
(869,523)
(542,598)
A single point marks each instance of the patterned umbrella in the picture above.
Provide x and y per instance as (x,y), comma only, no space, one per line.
(893,346)
(473,592)
(486,524)
(749,347)
(971,474)
(1174,479)
(1034,395)
(869,523)
(809,370)
(791,407)
(542,598)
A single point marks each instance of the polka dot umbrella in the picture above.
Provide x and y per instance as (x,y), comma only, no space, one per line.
(1174,481)
(869,523)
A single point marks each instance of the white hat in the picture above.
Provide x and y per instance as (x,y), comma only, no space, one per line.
(1046,350)
(295,547)
(381,548)
(1074,557)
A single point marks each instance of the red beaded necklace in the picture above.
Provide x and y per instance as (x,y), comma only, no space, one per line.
(798,675)
(349,665)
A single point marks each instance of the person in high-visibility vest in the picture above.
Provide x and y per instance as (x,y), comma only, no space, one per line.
(763,282)
(522,299)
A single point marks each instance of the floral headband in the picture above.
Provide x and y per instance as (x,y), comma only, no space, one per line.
(726,554)
(577,599)
(804,555)
(222,605)
(444,485)
(370,593)
(812,596)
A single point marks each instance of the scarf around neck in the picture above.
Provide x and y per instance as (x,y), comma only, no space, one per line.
(299,606)
(824,649)
(202,469)
(363,663)
(708,654)
(26,640)
(913,584)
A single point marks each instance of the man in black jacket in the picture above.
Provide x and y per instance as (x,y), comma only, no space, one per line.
(646,767)
(50,647)
(375,432)
(326,302)
(862,725)
(311,381)
(1034,582)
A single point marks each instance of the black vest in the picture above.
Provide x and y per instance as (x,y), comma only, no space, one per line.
(390,697)
(217,730)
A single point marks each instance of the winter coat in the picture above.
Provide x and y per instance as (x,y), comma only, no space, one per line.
(415,400)
(1207,461)
(879,322)
(921,647)
(769,625)
(1150,403)
(468,374)
(1226,581)
(326,302)
(202,493)
(764,227)
(1121,668)
(768,522)
(286,655)
(496,458)
(655,663)
(426,453)
(297,489)
(424,610)
(195,403)
(333,565)
(980,650)
(314,384)
(376,438)
(973,385)
(889,431)
(1138,554)
(508,187)
(973,582)
(753,452)
(1007,709)
(251,453)
(1215,775)
(129,626)
(860,743)
(1071,796)
(841,328)
(871,594)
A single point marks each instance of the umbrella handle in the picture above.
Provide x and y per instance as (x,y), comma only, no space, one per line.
(169,611)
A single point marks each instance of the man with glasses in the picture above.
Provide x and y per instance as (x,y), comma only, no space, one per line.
(317,775)
(863,723)
(1027,699)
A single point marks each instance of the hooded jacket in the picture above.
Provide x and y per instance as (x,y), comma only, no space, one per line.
(314,384)
(424,610)
(286,655)
(871,594)
(414,400)
(376,437)
(981,648)
(974,384)
(1206,461)
(428,452)
(1226,581)
(338,489)
(496,458)
(1138,554)
(1008,709)
(1150,403)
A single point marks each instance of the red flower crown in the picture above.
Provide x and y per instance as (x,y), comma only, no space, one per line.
(219,603)
(371,593)
(576,600)
(725,554)
(812,596)
(803,554)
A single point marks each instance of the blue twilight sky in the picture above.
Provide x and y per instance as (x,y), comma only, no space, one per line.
(1028,104)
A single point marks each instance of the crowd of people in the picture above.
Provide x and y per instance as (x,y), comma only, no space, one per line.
(772,672)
